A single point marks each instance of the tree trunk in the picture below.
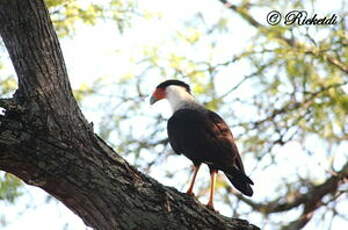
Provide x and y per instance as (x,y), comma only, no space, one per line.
(46,141)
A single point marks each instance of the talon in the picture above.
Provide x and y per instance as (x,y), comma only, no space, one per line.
(210,206)
(190,193)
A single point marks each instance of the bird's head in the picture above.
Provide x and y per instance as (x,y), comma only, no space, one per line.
(170,89)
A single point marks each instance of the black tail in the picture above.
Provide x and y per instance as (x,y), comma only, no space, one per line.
(240,181)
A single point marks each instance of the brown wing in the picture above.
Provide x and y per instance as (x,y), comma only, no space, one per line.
(203,136)
(225,137)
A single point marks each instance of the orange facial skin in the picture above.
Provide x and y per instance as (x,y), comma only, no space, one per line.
(157,95)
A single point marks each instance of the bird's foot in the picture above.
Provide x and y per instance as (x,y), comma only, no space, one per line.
(211,207)
(190,193)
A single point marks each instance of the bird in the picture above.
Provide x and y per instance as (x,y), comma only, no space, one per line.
(203,137)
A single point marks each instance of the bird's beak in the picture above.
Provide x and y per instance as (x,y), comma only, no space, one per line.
(157,95)
(153,100)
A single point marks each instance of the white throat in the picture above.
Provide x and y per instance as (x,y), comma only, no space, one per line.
(179,98)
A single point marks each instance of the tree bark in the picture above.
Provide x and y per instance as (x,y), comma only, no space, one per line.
(46,141)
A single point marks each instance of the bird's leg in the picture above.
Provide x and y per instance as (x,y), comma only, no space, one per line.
(213,174)
(195,168)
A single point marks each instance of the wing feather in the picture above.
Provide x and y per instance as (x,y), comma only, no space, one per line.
(202,135)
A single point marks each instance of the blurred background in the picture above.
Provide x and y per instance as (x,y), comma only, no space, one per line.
(282,90)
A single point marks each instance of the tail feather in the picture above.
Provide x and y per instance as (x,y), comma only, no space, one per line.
(240,181)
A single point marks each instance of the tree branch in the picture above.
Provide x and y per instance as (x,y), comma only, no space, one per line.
(10,104)
(51,145)
(243,12)
(311,199)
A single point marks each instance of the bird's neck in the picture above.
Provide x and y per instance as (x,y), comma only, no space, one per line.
(179,98)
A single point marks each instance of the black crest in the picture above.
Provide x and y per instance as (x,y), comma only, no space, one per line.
(164,84)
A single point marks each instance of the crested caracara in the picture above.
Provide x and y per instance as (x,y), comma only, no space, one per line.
(202,136)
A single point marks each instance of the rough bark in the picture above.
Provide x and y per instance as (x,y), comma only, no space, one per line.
(46,141)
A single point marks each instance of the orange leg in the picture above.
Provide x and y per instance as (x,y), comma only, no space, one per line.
(196,168)
(213,174)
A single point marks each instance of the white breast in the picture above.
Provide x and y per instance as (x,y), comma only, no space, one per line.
(179,98)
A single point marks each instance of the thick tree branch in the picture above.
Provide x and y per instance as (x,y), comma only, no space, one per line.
(10,104)
(49,144)
(313,199)
(310,200)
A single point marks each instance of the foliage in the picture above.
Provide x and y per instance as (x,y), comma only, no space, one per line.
(10,190)
(9,187)
(284,93)
(66,14)
(282,89)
